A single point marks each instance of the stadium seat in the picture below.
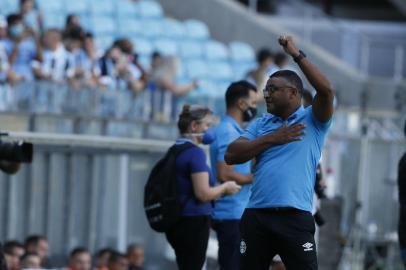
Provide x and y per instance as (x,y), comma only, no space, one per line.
(174,29)
(150,9)
(240,70)
(166,46)
(241,52)
(196,29)
(128,26)
(8,6)
(196,69)
(49,7)
(215,50)
(102,7)
(220,71)
(103,42)
(152,28)
(142,46)
(54,20)
(191,49)
(127,8)
(103,25)
(77,7)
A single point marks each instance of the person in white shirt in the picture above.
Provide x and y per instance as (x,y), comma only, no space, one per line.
(57,64)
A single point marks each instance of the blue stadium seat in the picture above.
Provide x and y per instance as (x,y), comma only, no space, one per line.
(174,29)
(8,6)
(215,50)
(152,28)
(49,7)
(103,25)
(102,7)
(240,70)
(166,46)
(145,61)
(196,69)
(128,26)
(150,9)
(196,29)
(142,46)
(241,52)
(220,71)
(127,8)
(103,42)
(77,7)
(54,20)
(190,49)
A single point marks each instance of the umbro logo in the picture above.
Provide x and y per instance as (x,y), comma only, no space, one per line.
(308,246)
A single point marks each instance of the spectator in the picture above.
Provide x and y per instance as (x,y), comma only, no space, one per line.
(31,16)
(4,66)
(156,61)
(58,63)
(13,251)
(22,47)
(281,60)
(118,261)
(164,76)
(85,62)
(72,20)
(39,245)
(80,259)
(30,261)
(117,70)
(136,257)
(102,258)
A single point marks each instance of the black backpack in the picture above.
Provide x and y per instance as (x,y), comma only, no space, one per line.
(161,196)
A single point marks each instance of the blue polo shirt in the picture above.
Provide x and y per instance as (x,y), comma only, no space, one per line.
(229,207)
(190,161)
(285,175)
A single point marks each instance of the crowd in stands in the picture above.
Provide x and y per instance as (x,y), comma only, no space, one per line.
(29,52)
(33,254)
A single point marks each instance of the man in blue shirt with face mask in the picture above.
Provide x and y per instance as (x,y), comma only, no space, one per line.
(287,145)
(241,106)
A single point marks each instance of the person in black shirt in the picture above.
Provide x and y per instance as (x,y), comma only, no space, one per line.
(402,206)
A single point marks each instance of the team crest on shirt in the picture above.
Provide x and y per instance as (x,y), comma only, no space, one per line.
(308,246)
(243,247)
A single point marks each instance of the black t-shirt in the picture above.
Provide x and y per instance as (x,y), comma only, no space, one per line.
(402,180)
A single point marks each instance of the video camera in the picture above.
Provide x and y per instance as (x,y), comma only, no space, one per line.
(19,151)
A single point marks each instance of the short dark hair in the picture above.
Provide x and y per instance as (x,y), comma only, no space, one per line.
(291,77)
(264,54)
(77,251)
(13,18)
(280,57)
(116,256)
(9,246)
(237,90)
(34,240)
(125,45)
(103,251)
(307,96)
(191,113)
(74,32)
(156,54)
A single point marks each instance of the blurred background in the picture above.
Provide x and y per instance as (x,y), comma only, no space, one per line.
(96,85)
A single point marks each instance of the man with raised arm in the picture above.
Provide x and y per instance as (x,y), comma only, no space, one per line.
(286,144)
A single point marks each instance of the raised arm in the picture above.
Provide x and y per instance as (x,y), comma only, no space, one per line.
(243,150)
(323,101)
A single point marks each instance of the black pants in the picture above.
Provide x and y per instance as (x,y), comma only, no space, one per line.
(402,232)
(189,239)
(285,231)
(228,235)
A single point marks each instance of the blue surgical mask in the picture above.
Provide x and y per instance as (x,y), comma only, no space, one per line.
(16,30)
(209,136)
